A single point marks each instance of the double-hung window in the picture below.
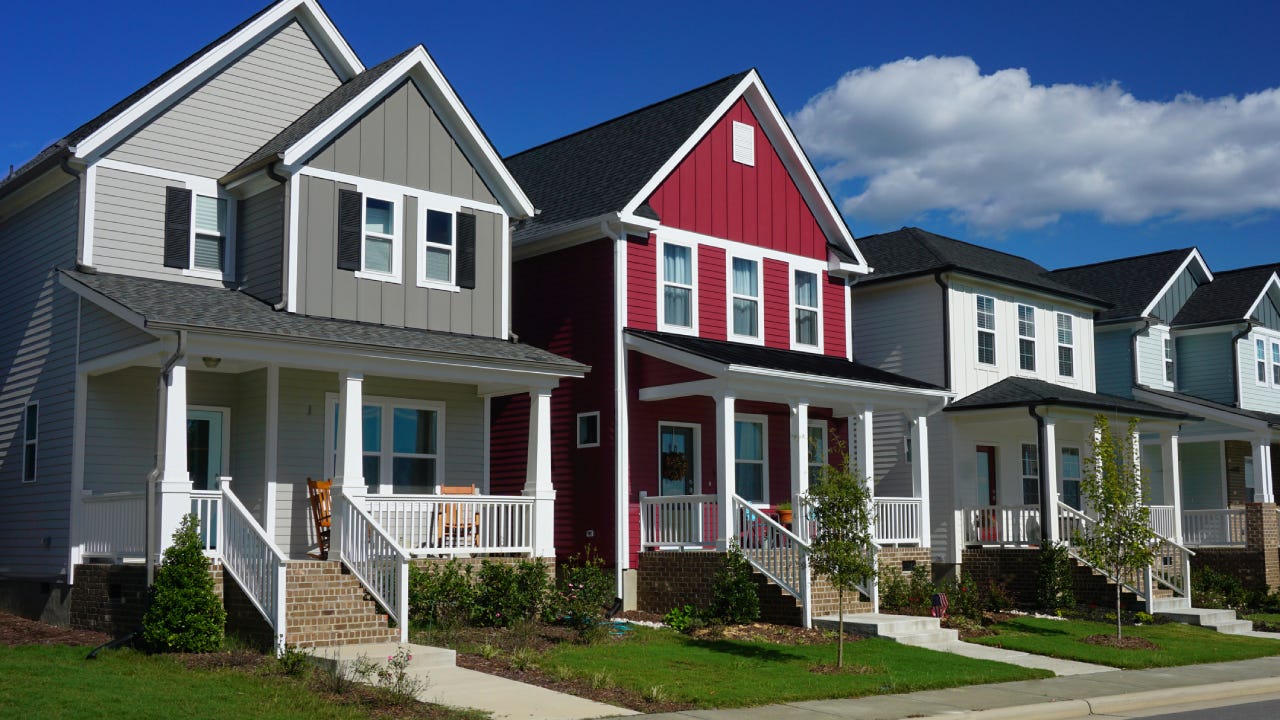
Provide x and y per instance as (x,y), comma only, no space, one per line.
(1030,474)
(805,298)
(745,301)
(678,296)
(198,230)
(817,454)
(379,236)
(401,444)
(1071,476)
(438,247)
(1275,362)
(1168,361)
(1066,346)
(1260,353)
(30,441)
(209,245)
(1027,337)
(986,330)
(751,475)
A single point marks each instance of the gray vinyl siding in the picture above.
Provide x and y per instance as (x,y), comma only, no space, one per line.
(37,354)
(942,488)
(1254,395)
(1115,372)
(1201,371)
(900,329)
(120,430)
(1267,314)
(402,141)
(249,442)
(325,291)
(102,333)
(892,471)
(260,244)
(1176,297)
(1150,349)
(221,122)
(1202,480)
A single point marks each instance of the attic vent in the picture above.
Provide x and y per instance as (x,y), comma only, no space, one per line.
(744,143)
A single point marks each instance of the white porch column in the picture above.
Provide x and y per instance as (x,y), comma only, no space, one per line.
(800,449)
(920,474)
(866,465)
(272,451)
(1172,478)
(537,483)
(726,475)
(173,496)
(1049,481)
(348,481)
(1263,483)
(1135,442)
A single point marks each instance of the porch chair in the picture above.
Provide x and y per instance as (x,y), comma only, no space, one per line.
(318,492)
(454,525)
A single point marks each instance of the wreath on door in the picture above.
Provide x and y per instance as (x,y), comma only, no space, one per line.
(675,466)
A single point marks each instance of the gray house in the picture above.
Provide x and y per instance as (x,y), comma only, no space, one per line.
(269,264)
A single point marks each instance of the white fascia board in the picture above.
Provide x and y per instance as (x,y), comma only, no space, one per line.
(1203,267)
(1208,413)
(103,302)
(1271,285)
(676,357)
(307,12)
(910,397)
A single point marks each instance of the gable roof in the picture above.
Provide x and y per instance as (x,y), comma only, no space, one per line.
(913,252)
(177,79)
(1132,285)
(1231,297)
(1027,392)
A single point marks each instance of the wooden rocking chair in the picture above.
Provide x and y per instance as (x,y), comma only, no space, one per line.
(318,492)
(454,525)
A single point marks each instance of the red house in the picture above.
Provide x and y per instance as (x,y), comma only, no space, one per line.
(690,255)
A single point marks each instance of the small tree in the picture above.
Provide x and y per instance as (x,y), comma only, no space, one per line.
(843,549)
(185,614)
(1120,539)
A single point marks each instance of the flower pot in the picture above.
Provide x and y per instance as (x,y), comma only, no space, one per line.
(784,517)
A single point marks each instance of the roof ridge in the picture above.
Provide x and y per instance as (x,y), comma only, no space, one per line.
(1006,253)
(631,113)
(1273,266)
(1144,256)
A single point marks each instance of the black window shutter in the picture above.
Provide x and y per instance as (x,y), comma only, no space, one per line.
(177,227)
(350,207)
(466,251)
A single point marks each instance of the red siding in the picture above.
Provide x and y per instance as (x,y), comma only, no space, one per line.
(713,308)
(711,194)
(834,323)
(642,283)
(649,371)
(776,304)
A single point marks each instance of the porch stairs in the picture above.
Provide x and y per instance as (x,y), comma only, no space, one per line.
(925,632)
(326,606)
(1092,585)
(1223,621)
(781,607)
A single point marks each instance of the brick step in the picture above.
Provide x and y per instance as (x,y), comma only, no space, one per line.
(327,606)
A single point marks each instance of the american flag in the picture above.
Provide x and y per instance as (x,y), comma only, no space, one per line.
(939,605)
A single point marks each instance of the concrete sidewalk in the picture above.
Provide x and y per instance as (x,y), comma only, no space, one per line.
(1049,699)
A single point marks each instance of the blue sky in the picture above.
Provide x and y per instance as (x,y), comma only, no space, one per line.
(1066,132)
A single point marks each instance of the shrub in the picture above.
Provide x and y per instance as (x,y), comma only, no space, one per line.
(684,619)
(734,600)
(996,596)
(1214,589)
(893,590)
(1053,578)
(441,595)
(505,594)
(185,614)
(294,661)
(964,598)
(582,595)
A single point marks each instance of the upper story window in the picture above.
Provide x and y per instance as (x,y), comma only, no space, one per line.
(438,247)
(986,330)
(1275,362)
(678,296)
(1027,337)
(369,235)
(30,441)
(805,300)
(197,232)
(379,235)
(1168,360)
(745,301)
(1260,353)
(1066,346)
(744,143)
(209,247)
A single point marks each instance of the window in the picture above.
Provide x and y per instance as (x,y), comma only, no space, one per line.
(1260,351)
(817,448)
(30,441)
(400,442)
(198,236)
(678,295)
(1168,360)
(1275,362)
(209,244)
(1071,476)
(1030,474)
(379,235)
(589,429)
(986,330)
(750,474)
(745,298)
(805,299)
(1066,351)
(1027,337)
(744,143)
(439,247)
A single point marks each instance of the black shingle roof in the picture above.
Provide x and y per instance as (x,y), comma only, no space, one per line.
(1226,299)
(164,304)
(1129,284)
(600,169)
(1026,392)
(911,252)
(731,353)
(1270,418)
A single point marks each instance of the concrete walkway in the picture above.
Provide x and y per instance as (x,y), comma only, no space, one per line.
(1015,657)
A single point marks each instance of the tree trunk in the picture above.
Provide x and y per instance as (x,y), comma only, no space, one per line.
(1119,635)
(840,637)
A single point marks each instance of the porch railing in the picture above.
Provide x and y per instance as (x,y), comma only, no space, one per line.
(1170,567)
(205,505)
(115,525)
(1162,520)
(1003,525)
(1213,527)
(897,520)
(775,551)
(253,560)
(375,558)
(455,524)
(679,522)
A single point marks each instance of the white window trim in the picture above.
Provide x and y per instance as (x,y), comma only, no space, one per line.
(35,441)
(742,250)
(796,308)
(577,428)
(758,339)
(663,325)
(995,323)
(386,404)
(1169,362)
(1035,348)
(426,204)
(208,187)
(1057,360)
(764,430)
(397,234)
(697,452)
(819,426)
(1274,361)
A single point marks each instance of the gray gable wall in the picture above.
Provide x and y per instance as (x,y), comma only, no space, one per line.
(1201,371)
(1267,314)
(1173,300)
(1113,351)
(260,246)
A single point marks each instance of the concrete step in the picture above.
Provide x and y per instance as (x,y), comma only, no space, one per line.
(424,656)
(1160,605)
(905,629)
(934,639)
(1223,621)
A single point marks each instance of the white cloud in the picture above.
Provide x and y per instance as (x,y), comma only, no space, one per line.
(1001,153)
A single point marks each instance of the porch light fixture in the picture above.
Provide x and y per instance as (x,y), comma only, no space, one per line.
(211,362)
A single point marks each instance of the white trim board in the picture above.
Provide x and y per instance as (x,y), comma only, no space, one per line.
(1204,268)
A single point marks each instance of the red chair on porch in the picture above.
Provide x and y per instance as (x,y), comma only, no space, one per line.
(318,492)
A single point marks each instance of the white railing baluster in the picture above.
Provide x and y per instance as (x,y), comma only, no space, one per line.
(205,506)
(1221,527)
(1001,525)
(678,521)
(114,525)
(252,559)
(377,561)
(455,524)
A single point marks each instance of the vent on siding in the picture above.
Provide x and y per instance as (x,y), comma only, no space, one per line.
(744,143)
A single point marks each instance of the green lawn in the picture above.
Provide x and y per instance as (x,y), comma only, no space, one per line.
(1269,619)
(1178,644)
(729,673)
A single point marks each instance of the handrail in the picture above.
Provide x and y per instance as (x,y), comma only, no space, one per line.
(253,560)
(456,524)
(775,551)
(365,547)
(1067,513)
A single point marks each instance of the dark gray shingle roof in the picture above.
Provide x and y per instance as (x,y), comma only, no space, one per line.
(1129,284)
(1226,299)
(600,169)
(166,304)
(1270,418)
(1026,392)
(731,353)
(911,251)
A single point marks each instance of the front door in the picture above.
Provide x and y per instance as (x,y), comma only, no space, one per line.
(205,447)
(986,470)
(677,458)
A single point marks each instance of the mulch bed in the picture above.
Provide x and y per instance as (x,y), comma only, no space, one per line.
(1128,643)
(16,631)
(776,634)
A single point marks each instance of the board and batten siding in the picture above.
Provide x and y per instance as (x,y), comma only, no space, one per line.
(1267,314)
(224,120)
(37,354)
(260,246)
(402,141)
(249,441)
(900,329)
(326,291)
(1254,395)
(1173,299)
(1114,348)
(102,333)
(1200,369)
(1149,344)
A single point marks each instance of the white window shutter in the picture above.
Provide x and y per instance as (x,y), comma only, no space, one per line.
(744,143)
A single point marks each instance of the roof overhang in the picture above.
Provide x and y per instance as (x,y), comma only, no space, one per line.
(1187,404)
(952,271)
(1269,289)
(609,225)
(1199,268)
